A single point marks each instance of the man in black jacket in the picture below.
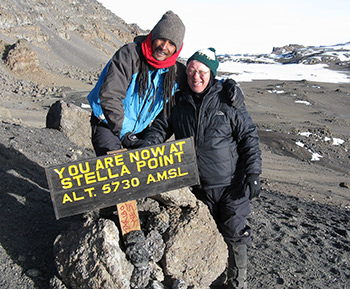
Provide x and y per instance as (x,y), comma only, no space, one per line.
(227,148)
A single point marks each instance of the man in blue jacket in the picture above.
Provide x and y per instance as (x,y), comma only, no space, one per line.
(136,85)
(227,149)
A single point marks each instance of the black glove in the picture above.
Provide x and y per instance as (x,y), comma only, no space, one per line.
(253,181)
(131,141)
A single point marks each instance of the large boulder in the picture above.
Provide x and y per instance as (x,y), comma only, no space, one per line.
(195,251)
(89,256)
(181,198)
(72,120)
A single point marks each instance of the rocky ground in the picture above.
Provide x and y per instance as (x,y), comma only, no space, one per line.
(300,222)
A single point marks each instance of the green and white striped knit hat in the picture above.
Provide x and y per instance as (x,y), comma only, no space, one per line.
(208,57)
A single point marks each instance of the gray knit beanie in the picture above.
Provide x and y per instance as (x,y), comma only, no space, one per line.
(170,27)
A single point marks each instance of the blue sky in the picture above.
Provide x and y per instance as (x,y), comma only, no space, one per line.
(245,26)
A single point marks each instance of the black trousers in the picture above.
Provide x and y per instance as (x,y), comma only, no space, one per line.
(229,207)
(103,139)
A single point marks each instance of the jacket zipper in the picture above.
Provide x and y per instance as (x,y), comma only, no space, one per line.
(200,116)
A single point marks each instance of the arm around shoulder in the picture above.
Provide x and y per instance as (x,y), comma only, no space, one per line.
(234,92)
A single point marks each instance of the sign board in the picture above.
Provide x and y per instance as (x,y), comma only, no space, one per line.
(91,184)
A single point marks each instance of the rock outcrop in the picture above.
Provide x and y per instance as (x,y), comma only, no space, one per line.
(178,244)
(72,120)
(20,57)
(90,256)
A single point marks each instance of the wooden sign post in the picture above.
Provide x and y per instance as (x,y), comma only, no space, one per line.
(128,214)
(96,183)
(128,217)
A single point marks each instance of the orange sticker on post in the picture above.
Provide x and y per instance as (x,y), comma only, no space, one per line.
(128,217)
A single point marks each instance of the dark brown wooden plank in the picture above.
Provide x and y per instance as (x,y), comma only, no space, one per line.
(82,186)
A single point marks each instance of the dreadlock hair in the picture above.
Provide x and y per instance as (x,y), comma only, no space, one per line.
(168,85)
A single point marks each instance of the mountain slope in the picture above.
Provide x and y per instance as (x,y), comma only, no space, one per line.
(64,33)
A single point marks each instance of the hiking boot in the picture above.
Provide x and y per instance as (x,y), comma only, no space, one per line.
(237,266)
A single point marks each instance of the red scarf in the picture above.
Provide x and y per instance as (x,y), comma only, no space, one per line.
(147,52)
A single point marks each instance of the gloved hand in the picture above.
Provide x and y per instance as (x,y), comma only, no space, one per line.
(253,181)
(131,141)
(234,92)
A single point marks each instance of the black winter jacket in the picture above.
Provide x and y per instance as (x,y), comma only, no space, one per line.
(226,139)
